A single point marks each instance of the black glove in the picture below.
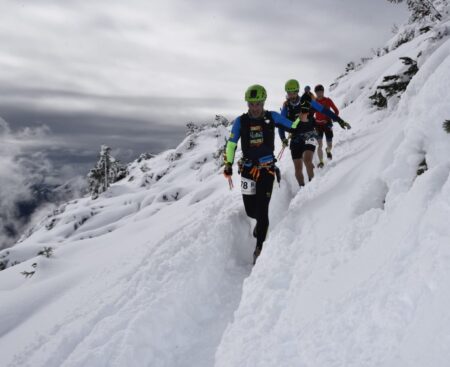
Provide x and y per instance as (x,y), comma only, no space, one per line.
(344,125)
(285,142)
(228,170)
(277,174)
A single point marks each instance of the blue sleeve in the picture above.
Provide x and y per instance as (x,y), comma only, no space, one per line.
(281,132)
(236,130)
(281,121)
(322,109)
(276,117)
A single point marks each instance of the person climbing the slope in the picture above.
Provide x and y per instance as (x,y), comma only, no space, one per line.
(304,138)
(324,124)
(308,96)
(256,129)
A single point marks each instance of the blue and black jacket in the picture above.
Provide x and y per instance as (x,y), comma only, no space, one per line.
(257,136)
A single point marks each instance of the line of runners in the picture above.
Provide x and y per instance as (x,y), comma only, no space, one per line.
(306,118)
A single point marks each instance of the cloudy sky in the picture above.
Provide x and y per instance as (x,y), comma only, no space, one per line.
(131,73)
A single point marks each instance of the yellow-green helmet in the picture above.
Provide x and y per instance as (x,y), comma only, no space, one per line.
(255,93)
(292,86)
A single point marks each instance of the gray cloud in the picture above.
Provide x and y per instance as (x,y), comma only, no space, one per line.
(91,130)
(178,48)
(132,74)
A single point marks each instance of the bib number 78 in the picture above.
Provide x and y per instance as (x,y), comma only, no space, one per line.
(248,187)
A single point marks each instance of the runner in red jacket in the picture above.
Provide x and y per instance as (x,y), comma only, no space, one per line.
(324,124)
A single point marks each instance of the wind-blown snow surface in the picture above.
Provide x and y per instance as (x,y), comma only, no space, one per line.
(157,271)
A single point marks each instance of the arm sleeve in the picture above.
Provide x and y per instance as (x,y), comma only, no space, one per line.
(281,131)
(233,140)
(283,122)
(316,106)
(333,106)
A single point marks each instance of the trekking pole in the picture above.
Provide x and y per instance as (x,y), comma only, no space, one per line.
(280,155)
(230,183)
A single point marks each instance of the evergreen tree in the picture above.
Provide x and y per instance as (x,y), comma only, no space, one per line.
(107,171)
(446,126)
(394,85)
(420,9)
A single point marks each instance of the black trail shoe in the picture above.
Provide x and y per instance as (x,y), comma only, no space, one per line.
(256,254)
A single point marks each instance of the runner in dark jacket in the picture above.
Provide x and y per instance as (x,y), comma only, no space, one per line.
(304,138)
(256,130)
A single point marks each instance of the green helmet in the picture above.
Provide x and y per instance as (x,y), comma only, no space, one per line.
(292,85)
(255,93)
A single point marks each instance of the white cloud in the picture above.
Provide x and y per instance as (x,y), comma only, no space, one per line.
(22,166)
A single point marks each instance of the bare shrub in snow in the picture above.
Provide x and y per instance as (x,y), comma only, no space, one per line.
(46,251)
(423,167)
(4,260)
(145,156)
(378,100)
(29,274)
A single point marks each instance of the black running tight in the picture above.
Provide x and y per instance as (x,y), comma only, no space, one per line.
(257,206)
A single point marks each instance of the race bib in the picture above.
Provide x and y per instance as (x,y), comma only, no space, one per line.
(311,141)
(248,187)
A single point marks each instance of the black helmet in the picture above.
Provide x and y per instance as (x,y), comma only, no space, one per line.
(305,106)
(319,88)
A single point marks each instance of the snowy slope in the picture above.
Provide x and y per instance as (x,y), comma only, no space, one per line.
(148,274)
(358,273)
(157,271)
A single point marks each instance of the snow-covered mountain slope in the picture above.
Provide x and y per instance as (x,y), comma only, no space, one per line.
(148,274)
(157,271)
(358,272)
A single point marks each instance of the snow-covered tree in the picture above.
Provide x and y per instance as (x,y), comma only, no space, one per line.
(421,9)
(107,171)
(446,126)
(395,85)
